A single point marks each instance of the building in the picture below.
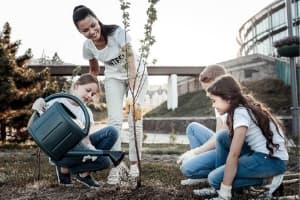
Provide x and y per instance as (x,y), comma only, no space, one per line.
(257,35)
(258,58)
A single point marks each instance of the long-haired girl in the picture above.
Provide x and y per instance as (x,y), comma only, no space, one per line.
(250,121)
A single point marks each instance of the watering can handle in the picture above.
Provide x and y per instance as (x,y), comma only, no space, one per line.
(79,102)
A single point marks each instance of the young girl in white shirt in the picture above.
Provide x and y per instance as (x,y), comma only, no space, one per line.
(84,88)
(250,121)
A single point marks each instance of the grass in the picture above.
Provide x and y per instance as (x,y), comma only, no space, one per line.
(272,92)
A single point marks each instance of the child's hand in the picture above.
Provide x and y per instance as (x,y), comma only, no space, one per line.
(39,105)
(186,156)
(225,192)
(89,157)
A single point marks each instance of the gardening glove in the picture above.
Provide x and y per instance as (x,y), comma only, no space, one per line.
(39,105)
(224,192)
(186,156)
(138,109)
(85,146)
(128,104)
(89,157)
(138,112)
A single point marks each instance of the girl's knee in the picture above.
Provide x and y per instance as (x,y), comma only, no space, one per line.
(191,127)
(113,132)
(184,170)
(214,180)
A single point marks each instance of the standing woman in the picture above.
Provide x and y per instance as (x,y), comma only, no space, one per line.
(107,43)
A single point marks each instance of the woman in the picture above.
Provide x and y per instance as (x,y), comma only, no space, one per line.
(124,74)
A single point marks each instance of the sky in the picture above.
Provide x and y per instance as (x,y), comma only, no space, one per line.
(187,33)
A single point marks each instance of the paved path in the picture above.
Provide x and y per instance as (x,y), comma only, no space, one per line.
(151,138)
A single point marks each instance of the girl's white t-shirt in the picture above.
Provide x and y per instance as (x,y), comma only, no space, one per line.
(110,55)
(76,110)
(254,137)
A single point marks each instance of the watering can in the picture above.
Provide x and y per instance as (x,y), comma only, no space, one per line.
(57,133)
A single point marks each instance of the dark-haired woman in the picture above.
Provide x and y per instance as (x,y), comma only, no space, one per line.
(110,44)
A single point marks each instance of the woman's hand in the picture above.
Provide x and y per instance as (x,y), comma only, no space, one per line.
(94,67)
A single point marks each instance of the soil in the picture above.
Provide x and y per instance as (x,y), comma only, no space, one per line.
(21,179)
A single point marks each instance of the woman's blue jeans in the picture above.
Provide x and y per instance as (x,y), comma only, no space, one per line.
(253,167)
(103,139)
(200,165)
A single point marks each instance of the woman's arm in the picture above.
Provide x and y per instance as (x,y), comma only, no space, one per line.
(94,67)
(131,66)
(234,153)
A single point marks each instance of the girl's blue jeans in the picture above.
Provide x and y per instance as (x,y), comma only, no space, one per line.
(103,139)
(200,165)
(253,167)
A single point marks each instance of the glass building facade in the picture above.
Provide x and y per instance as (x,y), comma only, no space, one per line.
(257,35)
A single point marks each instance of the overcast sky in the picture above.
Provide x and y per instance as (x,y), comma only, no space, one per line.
(191,32)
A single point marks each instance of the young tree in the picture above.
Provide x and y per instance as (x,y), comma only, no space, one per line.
(144,51)
(19,86)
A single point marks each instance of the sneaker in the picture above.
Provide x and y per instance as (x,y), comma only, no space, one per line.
(191,181)
(88,181)
(134,171)
(117,174)
(205,192)
(275,184)
(63,179)
(51,162)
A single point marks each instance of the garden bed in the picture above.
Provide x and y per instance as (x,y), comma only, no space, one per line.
(160,178)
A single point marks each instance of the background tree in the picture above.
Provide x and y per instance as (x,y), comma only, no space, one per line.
(19,86)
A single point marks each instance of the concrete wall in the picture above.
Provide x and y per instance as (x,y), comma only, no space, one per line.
(245,68)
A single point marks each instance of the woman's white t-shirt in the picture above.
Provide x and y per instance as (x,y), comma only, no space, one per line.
(110,55)
(254,137)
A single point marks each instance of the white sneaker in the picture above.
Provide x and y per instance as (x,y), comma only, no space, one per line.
(276,182)
(191,181)
(205,192)
(117,174)
(134,171)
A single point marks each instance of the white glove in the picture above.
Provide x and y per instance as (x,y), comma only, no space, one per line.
(186,156)
(39,105)
(87,145)
(89,157)
(224,192)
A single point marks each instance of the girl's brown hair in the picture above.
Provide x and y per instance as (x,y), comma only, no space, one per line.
(229,89)
(87,79)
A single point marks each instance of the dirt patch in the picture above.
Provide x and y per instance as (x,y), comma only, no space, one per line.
(160,180)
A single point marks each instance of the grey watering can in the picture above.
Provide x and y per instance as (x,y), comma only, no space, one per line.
(56,132)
